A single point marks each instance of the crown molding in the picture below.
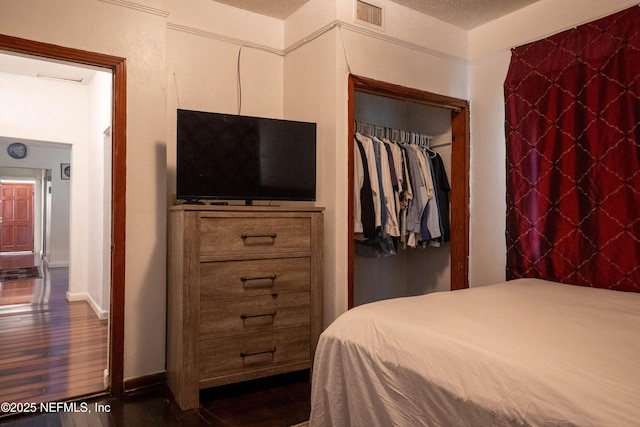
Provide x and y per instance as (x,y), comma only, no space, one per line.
(386,38)
(294,46)
(283,52)
(139,7)
(222,38)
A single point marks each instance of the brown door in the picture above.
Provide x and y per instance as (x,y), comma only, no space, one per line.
(16,221)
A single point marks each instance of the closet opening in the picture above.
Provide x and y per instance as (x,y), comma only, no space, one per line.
(412,271)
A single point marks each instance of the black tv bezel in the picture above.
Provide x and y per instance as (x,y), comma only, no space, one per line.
(249,199)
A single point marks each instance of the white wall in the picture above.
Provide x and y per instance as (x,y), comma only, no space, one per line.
(137,32)
(97,200)
(489,51)
(69,115)
(204,41)
(27,101)
(310,94)
(414,50)
(305,78)
(44,156)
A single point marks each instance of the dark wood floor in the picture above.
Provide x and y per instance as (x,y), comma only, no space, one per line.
(51,349)
(280,401)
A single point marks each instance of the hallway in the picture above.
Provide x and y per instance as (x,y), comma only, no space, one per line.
(51,349)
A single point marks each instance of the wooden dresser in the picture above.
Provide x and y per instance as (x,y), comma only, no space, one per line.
(244,294)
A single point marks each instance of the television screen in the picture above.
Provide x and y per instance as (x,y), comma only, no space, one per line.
(225,156)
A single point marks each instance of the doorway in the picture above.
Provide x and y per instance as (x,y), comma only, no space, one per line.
(117,66)
(459,118)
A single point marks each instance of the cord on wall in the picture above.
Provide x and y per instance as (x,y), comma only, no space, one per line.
(175,82)
(344,49)
(303,42)
(239,81)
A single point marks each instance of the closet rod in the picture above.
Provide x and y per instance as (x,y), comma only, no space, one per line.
(443,104)
(441,145)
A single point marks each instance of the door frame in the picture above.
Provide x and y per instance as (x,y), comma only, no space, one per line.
(117,65)
(460,120)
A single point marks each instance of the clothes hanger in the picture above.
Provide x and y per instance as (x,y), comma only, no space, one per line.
(395,136)
(377,131)
(432,153)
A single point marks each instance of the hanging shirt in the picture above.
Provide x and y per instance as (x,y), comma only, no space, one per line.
(383,203)
(431,217)
(420,195)
(358,182)
(405,197)
(395,163)
(364,212)
(370,155)
(391,227)
(442,191)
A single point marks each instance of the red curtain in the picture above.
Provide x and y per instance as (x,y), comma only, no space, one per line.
(573,156)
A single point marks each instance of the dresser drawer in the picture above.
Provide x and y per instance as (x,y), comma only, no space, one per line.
(249,235)
(244,353)
(225,317)
(254,277)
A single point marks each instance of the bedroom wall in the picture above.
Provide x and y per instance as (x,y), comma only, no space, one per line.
(489,52)
(136,31)
(187,57)
(174,56)
(204,40)
(184,57)
(310,94)
(413,50)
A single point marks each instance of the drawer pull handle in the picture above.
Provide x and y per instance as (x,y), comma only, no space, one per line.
(271,236)
(249,316)
(271,277)
(272,350)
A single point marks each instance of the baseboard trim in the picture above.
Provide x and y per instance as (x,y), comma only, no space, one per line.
(133,384)
(102,314)
(84,296)
(77,296)
(58,264)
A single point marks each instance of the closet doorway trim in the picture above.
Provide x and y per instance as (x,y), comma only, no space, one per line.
(459,170)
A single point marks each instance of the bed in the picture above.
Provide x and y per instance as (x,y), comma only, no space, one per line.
(525,352)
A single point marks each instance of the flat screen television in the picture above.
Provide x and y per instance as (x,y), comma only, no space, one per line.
(233,157)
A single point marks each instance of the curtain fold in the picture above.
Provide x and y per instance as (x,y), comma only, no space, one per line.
(573,156)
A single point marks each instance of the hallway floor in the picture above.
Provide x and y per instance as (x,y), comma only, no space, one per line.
(51,349)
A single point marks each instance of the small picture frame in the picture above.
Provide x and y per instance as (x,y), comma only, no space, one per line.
(65,171)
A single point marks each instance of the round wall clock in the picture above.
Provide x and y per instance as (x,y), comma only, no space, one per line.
(18,150)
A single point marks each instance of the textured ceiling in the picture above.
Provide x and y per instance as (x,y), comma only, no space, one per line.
(466,14)
(275,8)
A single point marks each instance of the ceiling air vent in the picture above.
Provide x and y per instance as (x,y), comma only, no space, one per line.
(369,13)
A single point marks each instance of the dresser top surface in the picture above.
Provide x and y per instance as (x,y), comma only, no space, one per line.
(242,208)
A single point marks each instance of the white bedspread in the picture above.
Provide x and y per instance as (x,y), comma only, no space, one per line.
(527,352)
